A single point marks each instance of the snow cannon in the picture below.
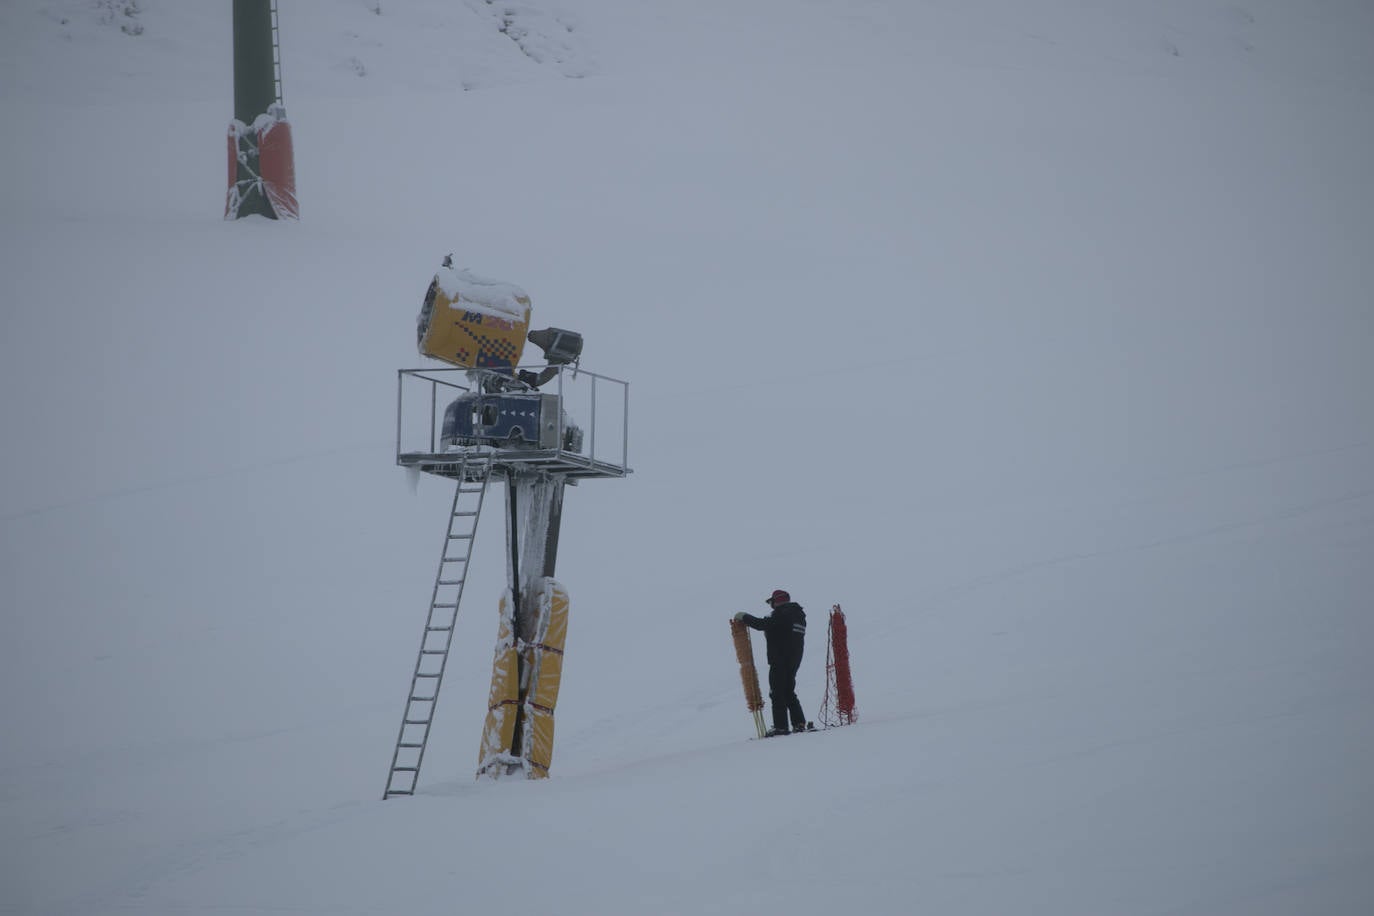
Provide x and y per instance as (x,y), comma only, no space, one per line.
(472,321)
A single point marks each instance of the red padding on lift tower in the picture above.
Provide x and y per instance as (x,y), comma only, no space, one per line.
(278,164)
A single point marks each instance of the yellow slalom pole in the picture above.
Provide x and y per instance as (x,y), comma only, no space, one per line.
(748,674)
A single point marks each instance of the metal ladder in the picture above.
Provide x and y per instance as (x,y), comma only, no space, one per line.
(276,54)
(473,475)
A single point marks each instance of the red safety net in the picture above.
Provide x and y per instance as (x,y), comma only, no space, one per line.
(838,706)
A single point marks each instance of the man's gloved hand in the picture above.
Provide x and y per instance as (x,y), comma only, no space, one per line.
(739,615)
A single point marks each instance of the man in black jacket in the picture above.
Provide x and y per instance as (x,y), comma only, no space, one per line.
(784,631)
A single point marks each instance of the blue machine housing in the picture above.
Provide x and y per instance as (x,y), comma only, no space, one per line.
(507,420)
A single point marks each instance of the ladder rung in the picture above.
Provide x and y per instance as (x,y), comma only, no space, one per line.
(410,745)
(424,674)
(445,606)
(438,629)
(405,769)
(432,651)
(414,722)
(450,581)
(464,514)
(391,792)
(460,537)
(422,699)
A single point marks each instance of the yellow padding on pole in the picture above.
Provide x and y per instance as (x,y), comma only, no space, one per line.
(499,729)
(544,661)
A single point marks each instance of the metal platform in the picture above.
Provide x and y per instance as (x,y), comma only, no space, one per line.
(597,404)
(573,466)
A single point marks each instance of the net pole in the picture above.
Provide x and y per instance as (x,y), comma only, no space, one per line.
(838,707)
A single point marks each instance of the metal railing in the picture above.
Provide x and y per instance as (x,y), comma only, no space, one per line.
(598,404)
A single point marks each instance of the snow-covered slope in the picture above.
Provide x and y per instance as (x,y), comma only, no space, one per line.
(1037,334)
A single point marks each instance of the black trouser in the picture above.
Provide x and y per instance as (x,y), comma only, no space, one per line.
(782,690)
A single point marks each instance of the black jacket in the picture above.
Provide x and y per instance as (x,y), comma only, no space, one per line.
(785,632)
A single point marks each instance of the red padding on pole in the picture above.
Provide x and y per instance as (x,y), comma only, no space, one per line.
(277,159)
(262,168)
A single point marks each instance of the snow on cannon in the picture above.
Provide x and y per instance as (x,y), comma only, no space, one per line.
(473,322)
(482,324)
(500,425)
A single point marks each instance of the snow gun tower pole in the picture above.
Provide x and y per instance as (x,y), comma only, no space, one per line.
(533,626)
(262,169)
(748,673)
(493,423)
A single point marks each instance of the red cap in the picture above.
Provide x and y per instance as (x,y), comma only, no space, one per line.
(778,597)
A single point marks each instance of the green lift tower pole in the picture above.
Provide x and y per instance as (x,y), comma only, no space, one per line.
(255,79)
(255,93)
